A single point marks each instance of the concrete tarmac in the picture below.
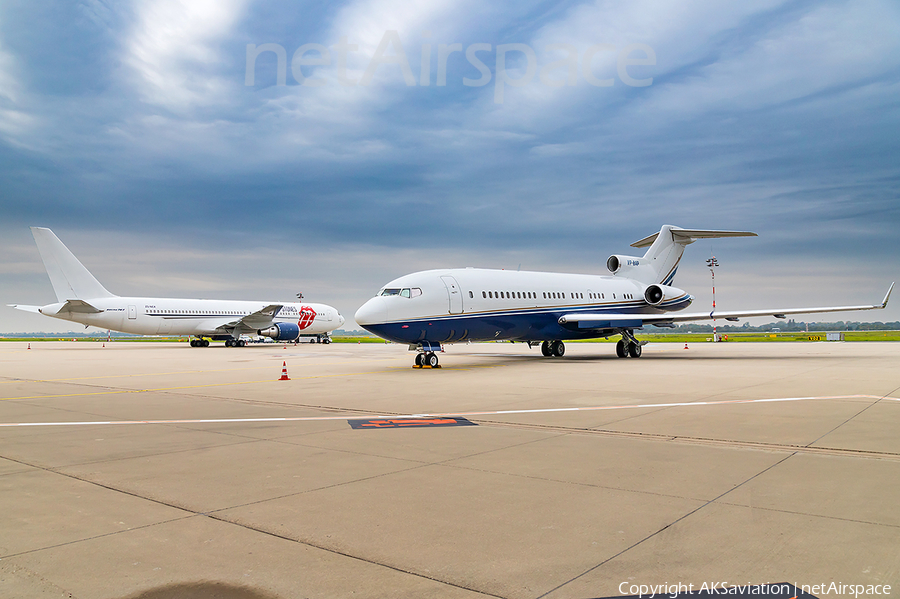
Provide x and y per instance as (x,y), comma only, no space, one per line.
(159,470)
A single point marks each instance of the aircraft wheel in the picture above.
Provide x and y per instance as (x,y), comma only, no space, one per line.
(621,350)
(326,340)
(420,359)
(229,342)
(240,343)
(558,348)
(431,360)
(545,349)
(634,350)
(205,343)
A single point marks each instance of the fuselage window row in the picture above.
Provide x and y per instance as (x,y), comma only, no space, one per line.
(545,295)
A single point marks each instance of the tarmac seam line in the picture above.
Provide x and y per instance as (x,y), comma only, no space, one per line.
(874,403)
(809,515)
(351,556)
(667,526)
(219,518)
(703,441)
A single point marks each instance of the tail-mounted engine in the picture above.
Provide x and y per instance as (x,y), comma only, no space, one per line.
(659,294)
(631,267)
(615,263)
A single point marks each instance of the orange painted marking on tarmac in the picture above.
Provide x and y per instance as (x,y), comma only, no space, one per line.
(411,422)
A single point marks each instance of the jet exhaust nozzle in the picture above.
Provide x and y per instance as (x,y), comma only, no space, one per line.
(282,331)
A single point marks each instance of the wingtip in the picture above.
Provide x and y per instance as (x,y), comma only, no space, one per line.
(887,296)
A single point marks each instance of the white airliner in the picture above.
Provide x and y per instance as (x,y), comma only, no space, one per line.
(83,299)
(428,308)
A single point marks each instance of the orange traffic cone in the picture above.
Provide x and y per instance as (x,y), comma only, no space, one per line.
(104,345)
(284,376)
(685,345)
(29,346)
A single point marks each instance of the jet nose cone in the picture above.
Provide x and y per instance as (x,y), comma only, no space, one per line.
(372,312)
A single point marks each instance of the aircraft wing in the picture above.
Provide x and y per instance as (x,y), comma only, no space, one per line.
(612,321)
(260,319)
(35,309)
(606,321)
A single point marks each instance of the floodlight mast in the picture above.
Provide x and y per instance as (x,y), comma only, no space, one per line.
(712,263)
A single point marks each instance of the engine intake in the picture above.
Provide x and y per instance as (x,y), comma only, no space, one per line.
(282,331)
(613,264)
(616,263)
(657,294)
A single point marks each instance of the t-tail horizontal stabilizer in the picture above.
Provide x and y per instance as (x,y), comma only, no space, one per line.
(664,251)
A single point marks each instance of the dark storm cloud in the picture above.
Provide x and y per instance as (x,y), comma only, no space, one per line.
(779,117)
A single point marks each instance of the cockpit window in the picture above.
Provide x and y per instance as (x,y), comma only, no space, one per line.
(405,292)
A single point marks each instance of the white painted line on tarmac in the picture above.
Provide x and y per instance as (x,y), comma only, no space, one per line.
(441,415)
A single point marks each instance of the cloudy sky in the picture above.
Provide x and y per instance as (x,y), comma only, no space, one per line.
(540,135)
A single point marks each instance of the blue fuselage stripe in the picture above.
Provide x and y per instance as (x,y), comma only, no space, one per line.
(522,324)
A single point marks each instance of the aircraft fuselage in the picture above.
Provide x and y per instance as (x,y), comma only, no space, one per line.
(197,317)
(471,304)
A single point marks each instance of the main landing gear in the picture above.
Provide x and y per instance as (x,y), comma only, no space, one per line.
(553,348)
(235,343)
(628,346)
(199,342)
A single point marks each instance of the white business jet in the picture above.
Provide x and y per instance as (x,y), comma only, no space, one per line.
(426,309)
(83,299)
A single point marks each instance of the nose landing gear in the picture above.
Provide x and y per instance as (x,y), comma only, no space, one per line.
(427,360)
(426,356)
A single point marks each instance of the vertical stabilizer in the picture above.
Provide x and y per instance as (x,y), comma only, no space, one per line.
(660,261)
(69,277)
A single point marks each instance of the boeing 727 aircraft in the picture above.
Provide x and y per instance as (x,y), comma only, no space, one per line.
(426,309)
(83,299)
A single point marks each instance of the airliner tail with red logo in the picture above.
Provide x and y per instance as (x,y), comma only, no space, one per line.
(81,298)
